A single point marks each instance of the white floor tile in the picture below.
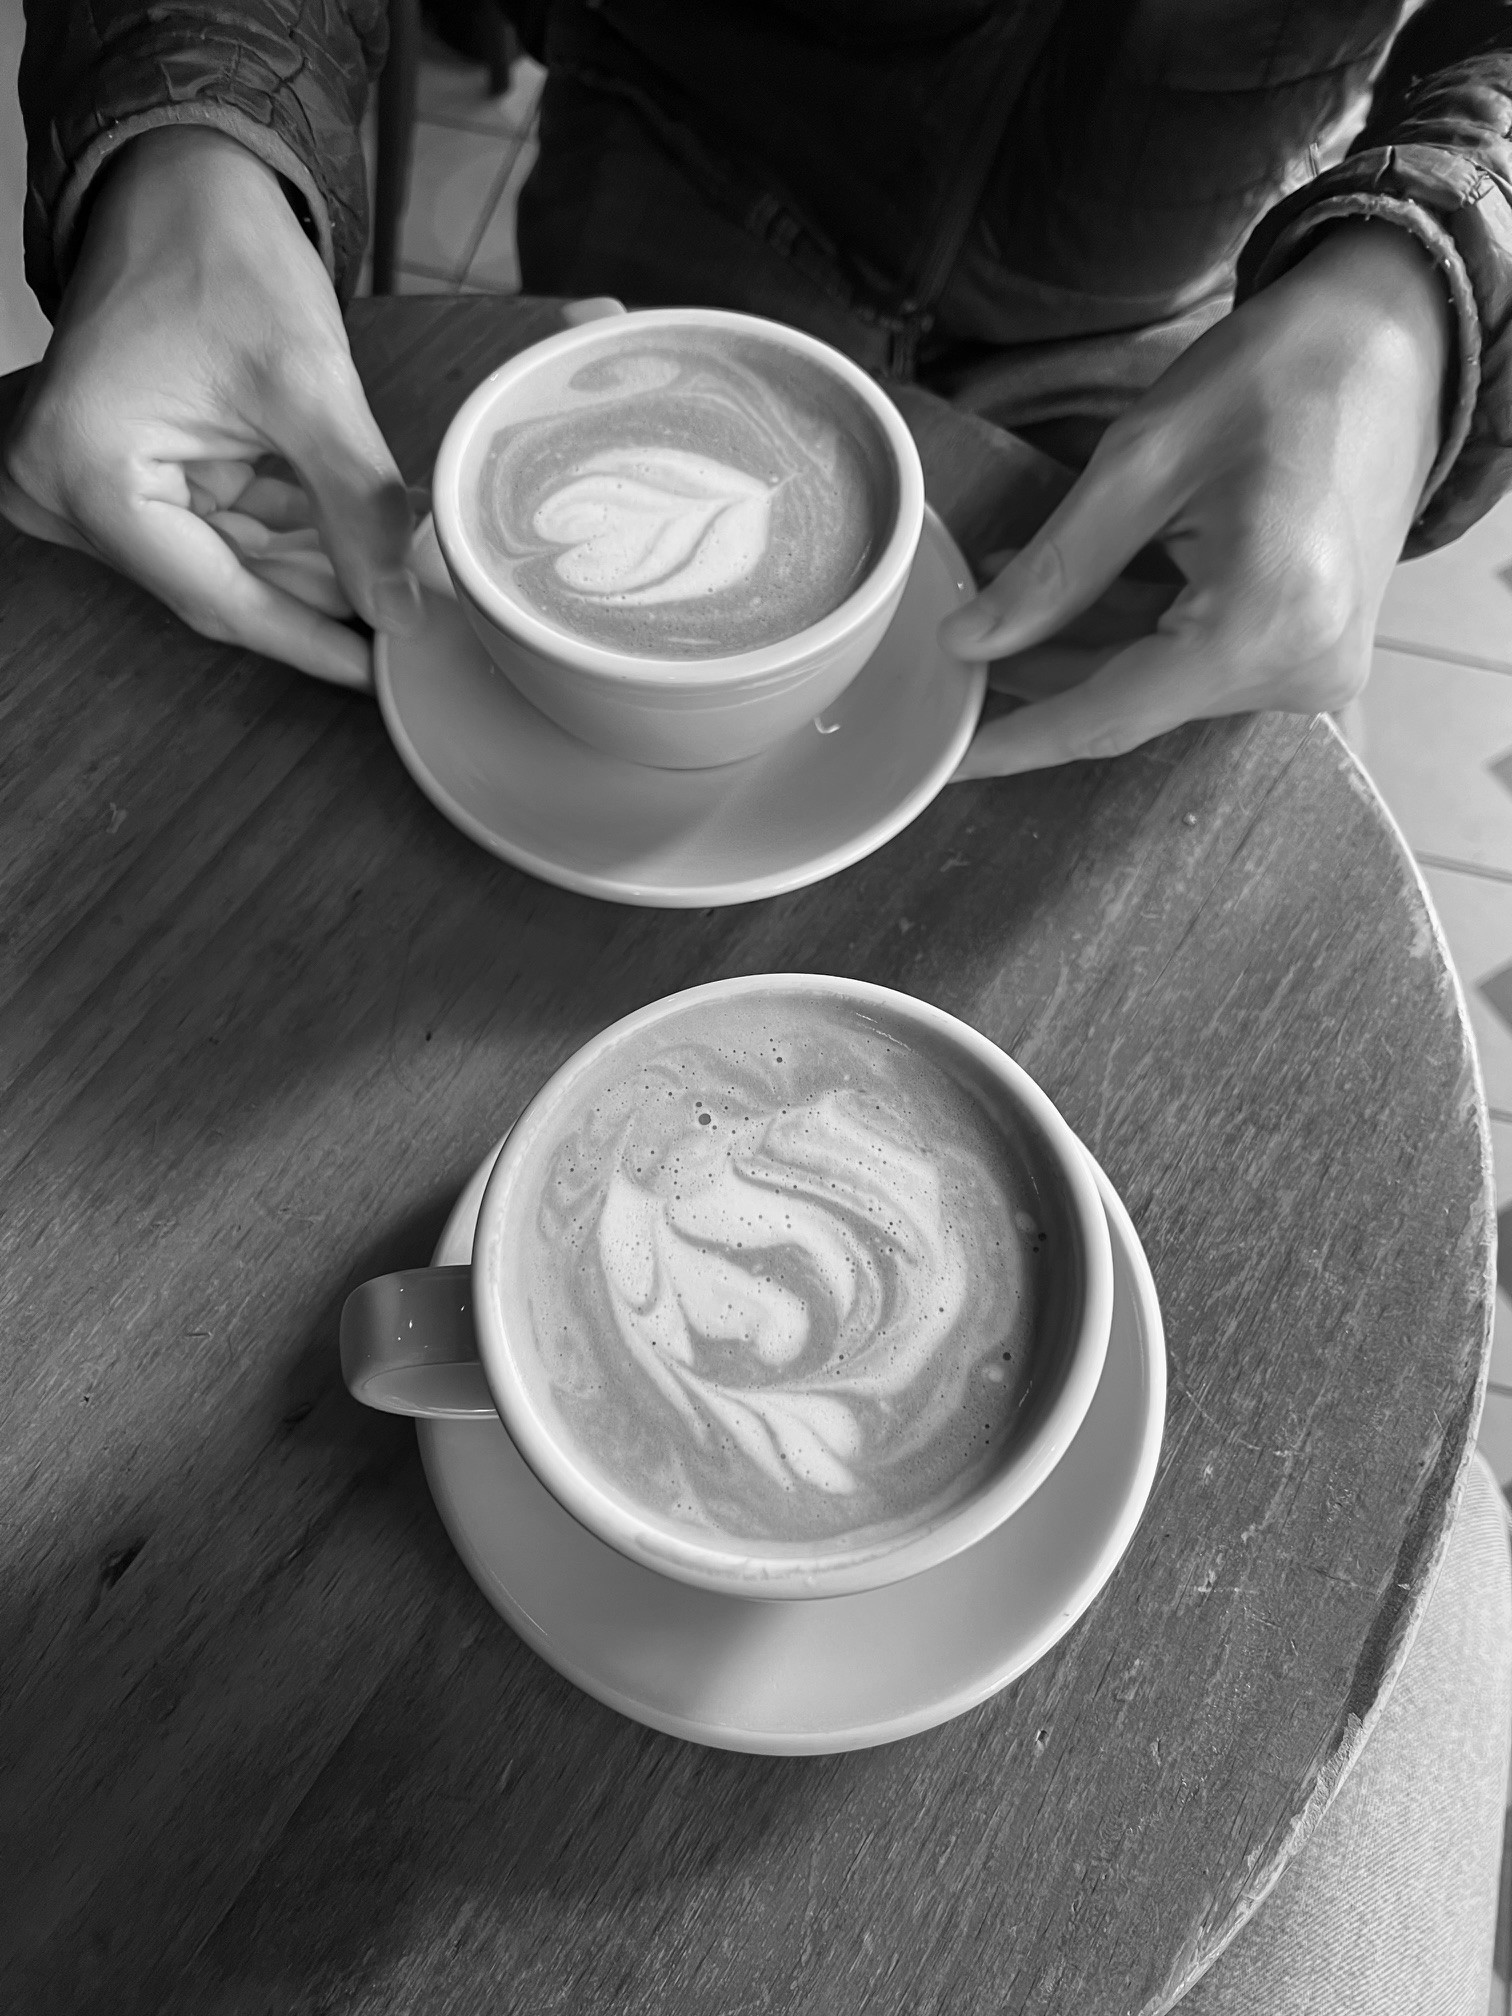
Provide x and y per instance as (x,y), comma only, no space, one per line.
(1496,1436)
(1501,1343)
(1458,599)
(453,185)
(1432,731)
(1476,913)
(1499,2000)
(455,93)
(1501,1154)
(1501,1347)
(408,281)
(495,265)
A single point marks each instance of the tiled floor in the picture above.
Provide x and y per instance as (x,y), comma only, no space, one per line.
(472,153)
(1437,715)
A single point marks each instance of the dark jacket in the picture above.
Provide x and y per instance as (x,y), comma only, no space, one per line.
(1107,159)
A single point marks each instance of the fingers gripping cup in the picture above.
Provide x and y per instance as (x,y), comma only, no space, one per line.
(784,1286)
(680,533)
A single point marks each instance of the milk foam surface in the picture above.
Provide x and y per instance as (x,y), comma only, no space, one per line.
(783,1280)
(686,494)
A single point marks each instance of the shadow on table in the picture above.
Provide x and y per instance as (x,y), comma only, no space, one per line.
(481,1807)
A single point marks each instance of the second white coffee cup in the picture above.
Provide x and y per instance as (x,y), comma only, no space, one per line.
(681,712)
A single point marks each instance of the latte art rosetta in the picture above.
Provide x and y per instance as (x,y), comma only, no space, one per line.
(642,525)
(780,1301)
(684,494)
(861,1220)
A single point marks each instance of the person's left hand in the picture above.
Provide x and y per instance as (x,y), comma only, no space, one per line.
(1280,462)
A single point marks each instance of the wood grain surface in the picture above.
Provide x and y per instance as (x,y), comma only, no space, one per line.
(263,1745)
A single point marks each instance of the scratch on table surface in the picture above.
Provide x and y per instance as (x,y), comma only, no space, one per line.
(1228,1434)
(391,1047)
(811,1906)
(1328,1574)
(1255,1617)
(1105,1093)
(1224,869)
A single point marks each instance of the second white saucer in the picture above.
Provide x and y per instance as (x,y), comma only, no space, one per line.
(688,839)
(844,1672)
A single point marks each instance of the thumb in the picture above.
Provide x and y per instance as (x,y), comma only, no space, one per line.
(359,498)
(1111,512)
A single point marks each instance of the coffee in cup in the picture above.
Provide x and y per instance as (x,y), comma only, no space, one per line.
(788,1285)
(693,492)
(784,1275)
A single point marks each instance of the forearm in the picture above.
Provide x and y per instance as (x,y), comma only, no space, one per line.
(287,79)
(1381,302)
(1435,162)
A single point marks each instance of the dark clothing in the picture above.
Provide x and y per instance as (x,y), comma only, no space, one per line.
(1035,203)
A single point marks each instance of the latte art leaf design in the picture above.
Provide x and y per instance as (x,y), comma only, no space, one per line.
(655,524)
(684,494)
(778,1287)
(864,1219)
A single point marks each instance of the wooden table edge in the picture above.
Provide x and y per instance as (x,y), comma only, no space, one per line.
(1355,1730)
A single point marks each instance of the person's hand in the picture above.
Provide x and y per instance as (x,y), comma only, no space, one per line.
(1279,462)
(199,336)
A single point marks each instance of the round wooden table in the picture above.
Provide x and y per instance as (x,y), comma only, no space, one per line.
(264,1745)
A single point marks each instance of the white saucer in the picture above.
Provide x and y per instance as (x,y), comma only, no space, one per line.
(687,839)
(838,1673)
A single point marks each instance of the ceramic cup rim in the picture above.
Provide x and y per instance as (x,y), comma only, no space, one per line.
(731,669)
(793,1569)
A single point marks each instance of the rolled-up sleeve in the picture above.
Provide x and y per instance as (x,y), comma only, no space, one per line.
(287,78)
(1435,159)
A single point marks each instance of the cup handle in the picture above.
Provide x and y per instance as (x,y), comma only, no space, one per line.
(425,558)
(593,308)
(407,1345)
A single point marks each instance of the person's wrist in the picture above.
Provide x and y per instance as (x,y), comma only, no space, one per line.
(178,185)
(187,214)
(171,163)
(1381,285)
(165,150)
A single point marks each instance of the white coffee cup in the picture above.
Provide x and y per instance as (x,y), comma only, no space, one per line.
(448,1341)
(676,713)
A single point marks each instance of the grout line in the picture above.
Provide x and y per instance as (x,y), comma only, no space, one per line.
(509,194)
(443,283)
(510,144)
(1463,867)
(489,129)
(1443,654)
(496,191)
(425,272)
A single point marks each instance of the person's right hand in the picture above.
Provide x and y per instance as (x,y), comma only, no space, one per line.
(199,334)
